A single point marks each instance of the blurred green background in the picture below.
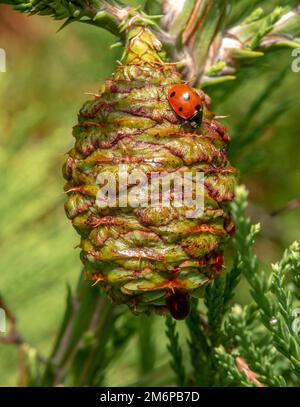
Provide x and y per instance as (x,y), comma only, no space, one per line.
(48,74)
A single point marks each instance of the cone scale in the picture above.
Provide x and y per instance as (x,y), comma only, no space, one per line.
(152,258)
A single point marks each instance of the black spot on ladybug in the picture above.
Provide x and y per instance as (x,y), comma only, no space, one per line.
(180,109)
(198,107)
(178,305)
(172,94)
(186,97)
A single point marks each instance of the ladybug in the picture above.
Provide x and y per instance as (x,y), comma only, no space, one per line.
(179,305)
(187,103)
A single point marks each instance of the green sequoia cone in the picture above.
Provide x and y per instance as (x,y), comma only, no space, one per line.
(151,258)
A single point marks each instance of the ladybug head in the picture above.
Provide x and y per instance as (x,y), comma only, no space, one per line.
(196,120)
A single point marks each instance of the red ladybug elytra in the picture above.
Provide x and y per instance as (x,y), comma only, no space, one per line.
(187,103)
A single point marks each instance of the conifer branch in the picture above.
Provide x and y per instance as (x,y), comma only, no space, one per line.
(255,348)
(227,364)
(271,295)
(195,33)
(175,351)
(214,301)
(286,339)
(218,296)
(200,349)
(200,36)
(249,40)
(111,15)
(251,376)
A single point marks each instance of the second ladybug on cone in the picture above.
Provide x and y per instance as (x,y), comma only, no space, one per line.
(187,103)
